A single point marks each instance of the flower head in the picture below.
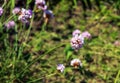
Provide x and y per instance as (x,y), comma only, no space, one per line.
(48,14)
(1,11)
(10,24)
(25,15)
(76,63)
(41,4)
(23,19)
(86,34)
(76,32)
(16,10)
(77,42)
(60,67)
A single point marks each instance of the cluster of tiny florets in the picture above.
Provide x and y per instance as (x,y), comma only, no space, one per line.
(16,10)
(86,35)
(60,67)
(10,24)
(77,40)
(76,32)
(25,15)
(41,4)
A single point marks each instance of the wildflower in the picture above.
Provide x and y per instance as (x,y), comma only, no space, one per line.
(48,14)
(41,4)
(1,11)
(76,63)
(23,19)
(10,24)
(16,10)
(76,32)
(25,15)
(86,34)
(77,42)
(60,67)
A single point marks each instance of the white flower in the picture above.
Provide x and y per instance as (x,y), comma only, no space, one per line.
(76,63)
(60,67)
(77,42)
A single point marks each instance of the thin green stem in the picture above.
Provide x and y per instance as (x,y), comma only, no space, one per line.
(4,3)
(16,39)
(28,2)
(75,2)
(8,19)
(13,66)
(117,77)
(31,22)
(12,4)
(26,37)
(43,26)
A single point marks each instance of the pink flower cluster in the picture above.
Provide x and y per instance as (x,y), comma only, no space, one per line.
(77,40)
(41,4)
(10,24)
(86,35)
(16,10)
(24,14)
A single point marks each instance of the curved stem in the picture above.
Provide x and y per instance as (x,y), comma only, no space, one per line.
(117,77)
(4,3)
